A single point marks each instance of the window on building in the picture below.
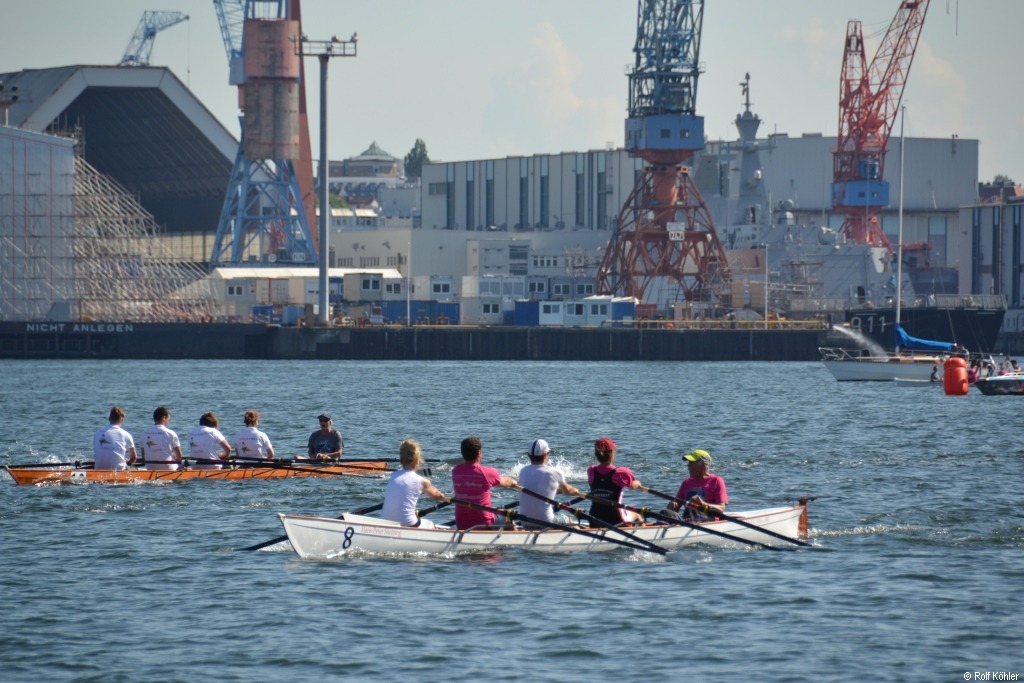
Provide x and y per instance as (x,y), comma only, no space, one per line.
(574,309)
(371,284)
(393,287)
(235,290)
(442,288)
(491,309)
(369,261)
(551,309)
(537,288)
(561,289)
(584,289)
(598,309)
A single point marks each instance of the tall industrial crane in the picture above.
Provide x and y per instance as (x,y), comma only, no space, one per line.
(869,98)
(269,203)
(664,233)
(141,45)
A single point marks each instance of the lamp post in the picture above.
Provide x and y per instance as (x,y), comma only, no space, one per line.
(766,298)
(408,285)
(324,50)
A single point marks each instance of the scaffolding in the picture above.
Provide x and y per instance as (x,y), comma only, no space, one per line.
(75,245)
(122,271)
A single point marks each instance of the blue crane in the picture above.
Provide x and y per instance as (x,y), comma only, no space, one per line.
(141,44)
(263,216)
(664,245)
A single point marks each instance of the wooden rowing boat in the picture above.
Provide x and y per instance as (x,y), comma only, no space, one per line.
(70,474)
(327,537)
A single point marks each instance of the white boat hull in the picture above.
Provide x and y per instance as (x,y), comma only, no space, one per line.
(848,368)
(1001,385)
(325,537)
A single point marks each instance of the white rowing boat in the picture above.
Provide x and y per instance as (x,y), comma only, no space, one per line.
(327,537)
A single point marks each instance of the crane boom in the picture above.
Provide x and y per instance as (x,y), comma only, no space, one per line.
(141,45)
(231,18)
(869,97)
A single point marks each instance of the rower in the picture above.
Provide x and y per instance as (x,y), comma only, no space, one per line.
(607,482)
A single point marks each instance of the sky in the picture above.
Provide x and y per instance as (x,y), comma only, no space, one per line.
(480,79)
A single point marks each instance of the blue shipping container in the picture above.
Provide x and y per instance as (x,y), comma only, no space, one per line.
(527,313)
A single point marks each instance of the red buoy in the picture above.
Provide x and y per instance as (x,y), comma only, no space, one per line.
(954,376)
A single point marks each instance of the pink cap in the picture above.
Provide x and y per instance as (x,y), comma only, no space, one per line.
(604,444)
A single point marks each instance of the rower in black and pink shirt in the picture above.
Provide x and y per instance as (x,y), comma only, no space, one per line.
(608,481)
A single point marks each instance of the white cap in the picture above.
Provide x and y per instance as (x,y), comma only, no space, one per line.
(538,448)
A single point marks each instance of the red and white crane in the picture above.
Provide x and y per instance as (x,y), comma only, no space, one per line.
(869,98)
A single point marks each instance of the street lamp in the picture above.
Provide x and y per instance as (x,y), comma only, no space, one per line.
(766,296)
(324,50)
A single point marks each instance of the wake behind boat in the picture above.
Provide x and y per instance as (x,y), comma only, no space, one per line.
(321,537)
(80,473)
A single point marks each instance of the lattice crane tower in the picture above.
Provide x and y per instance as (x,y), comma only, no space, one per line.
(869,98)
(270,198)
(664,230)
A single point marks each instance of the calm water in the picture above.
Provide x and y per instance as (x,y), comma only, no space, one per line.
(917,574)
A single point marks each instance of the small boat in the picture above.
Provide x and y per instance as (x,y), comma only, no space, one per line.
(917,383)
(1001,385)
(846,367)
(77,474)
(323,537)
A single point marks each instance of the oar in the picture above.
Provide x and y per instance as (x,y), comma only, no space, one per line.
(275,541)
(433,508)
(78,464)
(644,512)
(511,506)
(446,461)
(731,518)
(311,468)
(509,515)
(593,520)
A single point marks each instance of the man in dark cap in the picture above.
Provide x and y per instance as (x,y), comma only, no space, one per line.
(325,443)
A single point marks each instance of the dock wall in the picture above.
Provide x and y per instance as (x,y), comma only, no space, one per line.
(243,341)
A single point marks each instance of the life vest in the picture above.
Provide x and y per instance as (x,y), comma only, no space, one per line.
(604,488)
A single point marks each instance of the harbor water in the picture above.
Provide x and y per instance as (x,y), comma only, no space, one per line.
(915,573)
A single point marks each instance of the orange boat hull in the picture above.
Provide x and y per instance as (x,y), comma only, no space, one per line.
(70,474)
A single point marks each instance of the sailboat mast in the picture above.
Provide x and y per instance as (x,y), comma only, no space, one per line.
(899,238)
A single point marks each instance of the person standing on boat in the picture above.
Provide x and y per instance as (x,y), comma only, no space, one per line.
(702,490)
(545,480)
(473,482)
(608,481)
(161,449)
(207,447)
(113,448)
(325,443)
(251,443)
(404,489)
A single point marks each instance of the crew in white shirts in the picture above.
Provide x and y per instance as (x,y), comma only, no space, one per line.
(112,447)
(161,449)
(208,449)
(251,443)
